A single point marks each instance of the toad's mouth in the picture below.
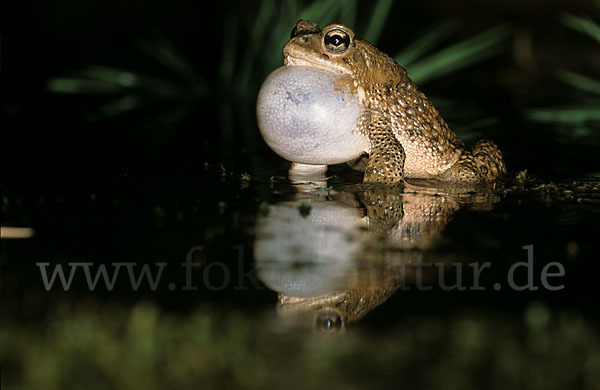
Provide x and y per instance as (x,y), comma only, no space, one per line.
(322,64)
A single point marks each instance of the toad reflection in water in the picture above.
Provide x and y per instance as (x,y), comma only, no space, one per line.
(355,247)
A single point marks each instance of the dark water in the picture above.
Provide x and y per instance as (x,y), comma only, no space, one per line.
(300,280)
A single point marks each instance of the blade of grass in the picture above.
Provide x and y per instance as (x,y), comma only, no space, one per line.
(107,74)
(226,80)
(422,45)
(377,21)
(437,65)
(95,80)
(259,29)
(119,106)
(459,55)
(165,120)
(132,80)
(320,11)
(107,80)
(348,13)
(576,115)
(227,67)
(579,81)
(81,86)
(167,54)
(585,25)
(479,123)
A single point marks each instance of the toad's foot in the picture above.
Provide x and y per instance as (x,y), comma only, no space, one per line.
(484,163)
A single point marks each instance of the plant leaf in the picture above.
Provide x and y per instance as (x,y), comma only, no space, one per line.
(377,20)
(422,45)
(458,56)
(585,25)
(576,115)
(579,81)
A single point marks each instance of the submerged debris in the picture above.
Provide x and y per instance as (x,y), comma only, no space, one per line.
(587,190)
(304,208)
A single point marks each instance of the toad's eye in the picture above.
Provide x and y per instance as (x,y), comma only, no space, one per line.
(336,41)
(294,32)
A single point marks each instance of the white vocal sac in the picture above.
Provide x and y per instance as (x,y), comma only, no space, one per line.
(310,116)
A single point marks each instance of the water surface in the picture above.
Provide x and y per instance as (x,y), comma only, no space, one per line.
(298,279)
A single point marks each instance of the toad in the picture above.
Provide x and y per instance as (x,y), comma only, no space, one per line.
(407,137)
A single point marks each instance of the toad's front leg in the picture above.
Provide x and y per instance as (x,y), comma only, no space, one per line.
(386,157)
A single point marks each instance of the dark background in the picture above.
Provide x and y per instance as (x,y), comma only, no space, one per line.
(45,136)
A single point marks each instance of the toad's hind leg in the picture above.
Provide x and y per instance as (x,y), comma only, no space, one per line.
(484,163)
(386,158)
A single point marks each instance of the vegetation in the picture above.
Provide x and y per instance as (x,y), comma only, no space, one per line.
(244,67)
(212,348)
(579,119)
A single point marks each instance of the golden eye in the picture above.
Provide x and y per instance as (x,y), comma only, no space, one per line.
(336,41)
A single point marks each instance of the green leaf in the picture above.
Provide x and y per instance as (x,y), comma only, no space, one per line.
(167,54)
(348,13)
(585,25)
(458,56)
(228,64)
(424,44)
(377,20)
(77,85)
(321,11)
(579,81)
(253,49)
(575,115)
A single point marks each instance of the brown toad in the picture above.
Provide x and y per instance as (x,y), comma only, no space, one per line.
(407,136)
